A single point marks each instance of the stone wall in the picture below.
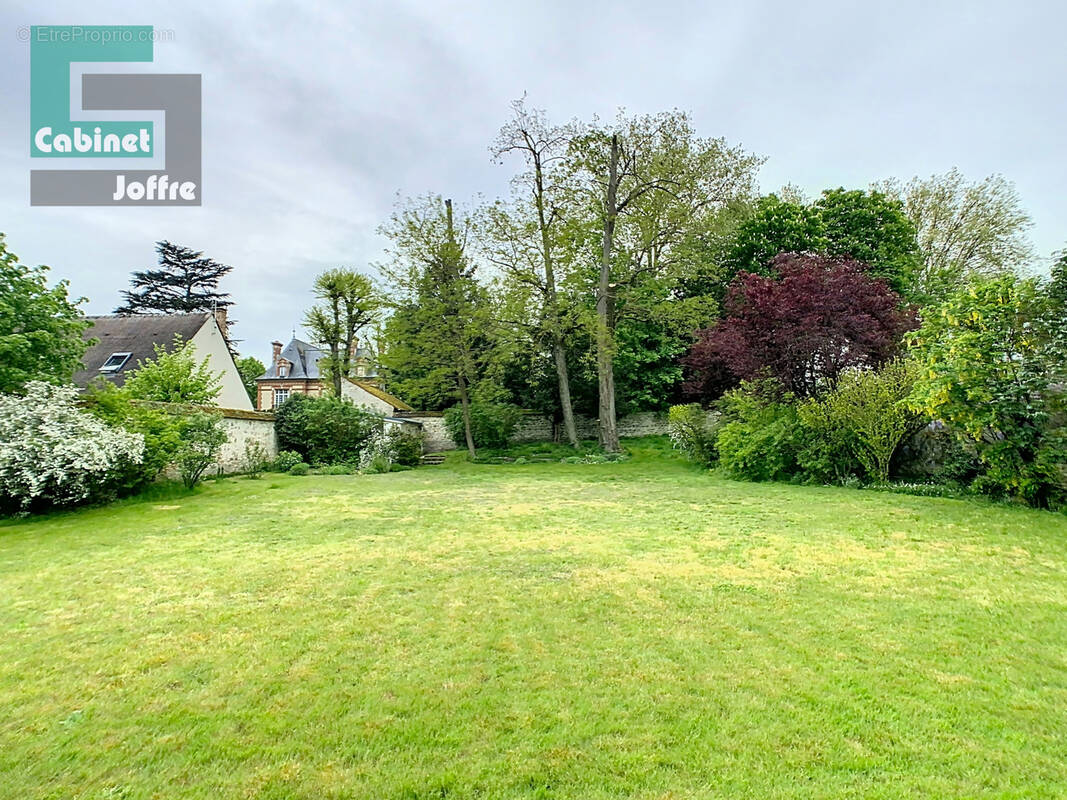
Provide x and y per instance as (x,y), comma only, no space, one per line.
(243,427)
(535,427)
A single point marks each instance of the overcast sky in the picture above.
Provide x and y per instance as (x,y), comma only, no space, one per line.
(316,115)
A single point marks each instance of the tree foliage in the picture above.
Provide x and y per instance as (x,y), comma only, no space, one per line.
(964,229)
(646,181)
(439,337)
(822,316)
(492,424)
(186,281)
(249,369)
(160,427)
(202,437)
(40,326)
(871,412)
(868,227)
(174,377)
(989,361)
(324,430)
(348,303)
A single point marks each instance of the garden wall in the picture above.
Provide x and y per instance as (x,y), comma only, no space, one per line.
(535,427)
(241,428)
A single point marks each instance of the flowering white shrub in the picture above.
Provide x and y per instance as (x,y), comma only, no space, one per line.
(377,453)
(54,454)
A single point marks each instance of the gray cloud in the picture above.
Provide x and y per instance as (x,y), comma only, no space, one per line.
(315,117)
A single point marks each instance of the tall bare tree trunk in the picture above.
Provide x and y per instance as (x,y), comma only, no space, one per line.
(465,404)
(559,355)
(605,311)
(559,352)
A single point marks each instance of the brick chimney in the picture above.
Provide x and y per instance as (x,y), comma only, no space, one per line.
(220,318)
(276,347)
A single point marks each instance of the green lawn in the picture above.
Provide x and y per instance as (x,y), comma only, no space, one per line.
(639,629)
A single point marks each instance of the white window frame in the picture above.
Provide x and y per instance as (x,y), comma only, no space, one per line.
(107,366)
(285,395)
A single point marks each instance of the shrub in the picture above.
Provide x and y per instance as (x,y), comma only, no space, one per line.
(299,469)
(286,460)
(174,377)
(338,469)
(990,359)
(54,454)
(325,430)
(861,422)
(492,424)
(405,447)
(759,435)
(691,433)
(255,459)
(160,427)
(202,437)
(827,452)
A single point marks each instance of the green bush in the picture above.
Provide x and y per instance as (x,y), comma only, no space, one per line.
(338,469)
(691,432)
(255,459)
(405,448)
(858,426)
(299,469)
(992,359)
(286,460)
(759,436)
(161,429)
(202,437)
(827,451)
(492,424)
(324,430)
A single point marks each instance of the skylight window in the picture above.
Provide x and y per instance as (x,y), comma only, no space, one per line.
(114,362)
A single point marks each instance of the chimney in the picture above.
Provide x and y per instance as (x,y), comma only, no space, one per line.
(220,318)
(277,352)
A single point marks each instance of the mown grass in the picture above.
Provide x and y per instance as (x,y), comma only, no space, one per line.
(636,629)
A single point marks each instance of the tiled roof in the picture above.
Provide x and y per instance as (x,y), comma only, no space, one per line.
(304,357)
(393,400)
(136,334)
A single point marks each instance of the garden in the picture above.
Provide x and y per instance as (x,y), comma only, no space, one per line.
(640,628)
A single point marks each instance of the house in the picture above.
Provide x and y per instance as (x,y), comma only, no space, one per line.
(122,342)
(294,369)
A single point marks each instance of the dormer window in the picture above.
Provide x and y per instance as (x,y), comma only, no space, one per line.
(115,362)
(283,369)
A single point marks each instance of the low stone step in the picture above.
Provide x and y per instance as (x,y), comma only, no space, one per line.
(432,460)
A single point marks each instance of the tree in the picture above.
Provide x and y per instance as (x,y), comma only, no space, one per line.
(648,179)
(443,310)
(202,438)
(250,368)
(868,227)
(989,359)
(40,327)
(774,226)
(964,229)
(871,228)
(185,282)
(174,377)
(822,316)
(525,234)
(348,303)
(325,430)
